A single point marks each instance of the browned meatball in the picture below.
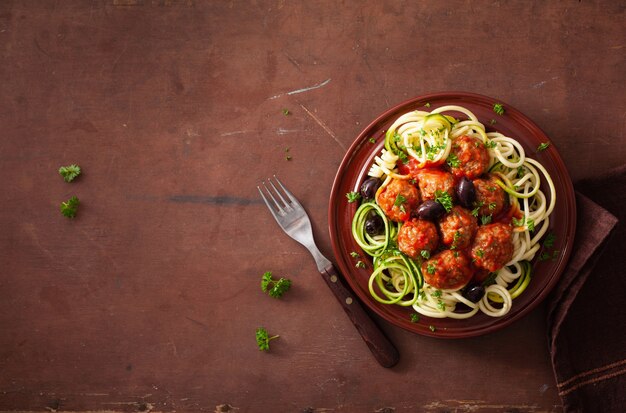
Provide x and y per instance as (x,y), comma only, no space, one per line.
(493,246)
(458,228)
(448,270)
(417,235)
(431,180)
(473,157)
(490,198)
(398,199)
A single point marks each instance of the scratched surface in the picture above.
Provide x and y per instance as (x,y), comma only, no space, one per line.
(149,299)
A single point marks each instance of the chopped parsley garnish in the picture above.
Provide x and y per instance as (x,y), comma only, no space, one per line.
(274,288)
(437,293)
(372,140)
(520,171)
(492,206)
(432,328)
(441,305)
(354,254)
(453,161)
(543,146)
(485,219)
(360,264)
(549,241)
(431,269)
(530,224)
(70,207)
(353,196)
(479,253)
(69,172)
(498,108)
(475,211)
(286,112)
(457,236)
(263,339)
(544,256)
(425,254)
(427,104)
(444,199)
(414,317)
(490,144)
(399,202)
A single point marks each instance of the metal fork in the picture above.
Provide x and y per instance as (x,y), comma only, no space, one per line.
(294,220)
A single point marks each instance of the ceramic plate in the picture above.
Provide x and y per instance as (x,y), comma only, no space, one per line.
(353,170)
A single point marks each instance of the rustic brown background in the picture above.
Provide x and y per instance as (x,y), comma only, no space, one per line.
(149,299)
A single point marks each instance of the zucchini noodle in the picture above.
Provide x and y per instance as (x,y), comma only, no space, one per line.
(426,138)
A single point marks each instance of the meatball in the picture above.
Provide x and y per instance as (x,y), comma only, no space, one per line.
(492,246)
(472,155)
(432,180)
(448,270)
(490,198)
(417,235)
(458,228)
(398,199)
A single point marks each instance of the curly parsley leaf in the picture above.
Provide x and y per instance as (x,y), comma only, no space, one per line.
(543,146)
(353,196)
(274,288)
(263,339)
(70,207)
(453,161)
(498,108)
(444,199)
(70,172)
(549,241)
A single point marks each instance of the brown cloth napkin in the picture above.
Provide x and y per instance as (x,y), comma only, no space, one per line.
(587,309)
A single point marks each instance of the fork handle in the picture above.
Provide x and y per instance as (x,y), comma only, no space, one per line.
(383,350)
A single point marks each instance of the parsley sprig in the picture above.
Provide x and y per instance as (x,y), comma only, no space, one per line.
(274,288)
(263,339)
(498,108)
(444,199)
(70,207)
(70,172)
(353,196)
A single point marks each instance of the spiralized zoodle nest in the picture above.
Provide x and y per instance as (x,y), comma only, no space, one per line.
(426,138)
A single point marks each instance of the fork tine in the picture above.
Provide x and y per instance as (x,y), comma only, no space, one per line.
(285,203)
(289,194)
(277,205)
(269,205)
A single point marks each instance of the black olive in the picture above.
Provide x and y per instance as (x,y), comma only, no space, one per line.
(374,224)
(430,210)
(369,187)
(475,293)
(465,192)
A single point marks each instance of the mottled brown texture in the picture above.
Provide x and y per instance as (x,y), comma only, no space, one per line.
(149,298)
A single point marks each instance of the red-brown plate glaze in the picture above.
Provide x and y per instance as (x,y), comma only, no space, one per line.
(353,170)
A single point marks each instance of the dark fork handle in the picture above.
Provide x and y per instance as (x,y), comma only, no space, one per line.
(380,346)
